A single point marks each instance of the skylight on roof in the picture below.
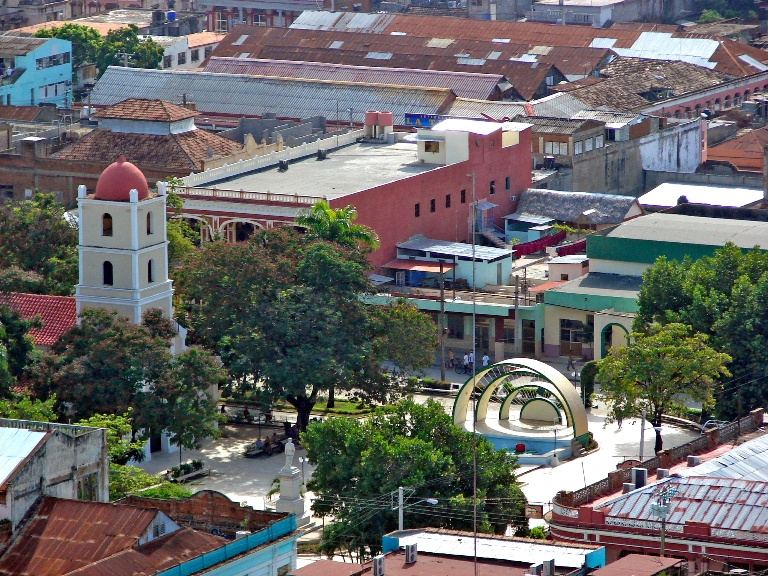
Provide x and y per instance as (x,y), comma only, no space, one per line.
(493,55)
(379,55)
(336,44)
(397,33)
(502,40)
(240,40)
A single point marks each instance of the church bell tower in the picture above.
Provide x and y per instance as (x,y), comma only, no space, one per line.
(123,248)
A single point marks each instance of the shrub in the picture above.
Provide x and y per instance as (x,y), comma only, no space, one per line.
(588,373)
(167,491)
(125,479)
(537,532)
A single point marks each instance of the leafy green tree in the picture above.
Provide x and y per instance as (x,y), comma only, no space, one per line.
(19,345)
(723,297)
(337,225)
(86,42)
(125,479)
(36,238)
(24,407)
(181,237)
(6,380)
(121,442)
(108,365)
(706,17)
(657,370)
(288,312)
(587,380)
(142,53)
(360,463)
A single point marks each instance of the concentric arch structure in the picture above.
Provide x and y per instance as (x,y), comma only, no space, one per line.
(544,396)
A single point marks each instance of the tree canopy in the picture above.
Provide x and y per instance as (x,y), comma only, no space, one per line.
(726,298)
(359,463)
(108,365)
(288,312)
(141,52)
(337,225)
(121,442)
(39,252)
(85,42)
(658,369)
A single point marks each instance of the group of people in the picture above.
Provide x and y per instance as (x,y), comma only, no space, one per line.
(270,445)
(469,359)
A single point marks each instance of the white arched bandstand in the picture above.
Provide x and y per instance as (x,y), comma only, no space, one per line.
(548,392)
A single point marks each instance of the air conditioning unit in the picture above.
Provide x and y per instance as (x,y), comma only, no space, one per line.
(378,566)
(411,554)
(282,166)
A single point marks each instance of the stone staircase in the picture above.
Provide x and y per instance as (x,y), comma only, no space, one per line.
(493,239)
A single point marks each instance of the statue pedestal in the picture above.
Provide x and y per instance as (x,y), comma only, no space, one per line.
(290,496)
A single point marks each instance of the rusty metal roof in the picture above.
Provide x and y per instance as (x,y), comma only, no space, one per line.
(464,84)
(155,556)
(64,535)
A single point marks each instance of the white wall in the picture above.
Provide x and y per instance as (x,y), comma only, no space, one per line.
(616,267)
(677,149)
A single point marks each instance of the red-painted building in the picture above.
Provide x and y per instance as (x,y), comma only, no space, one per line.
(716,518)
(399,189)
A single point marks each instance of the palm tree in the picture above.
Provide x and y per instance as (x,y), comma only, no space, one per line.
(337,225)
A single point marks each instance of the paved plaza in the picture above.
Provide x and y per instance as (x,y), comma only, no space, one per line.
(249,480)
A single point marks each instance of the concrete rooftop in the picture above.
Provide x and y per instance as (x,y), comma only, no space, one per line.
(346,171)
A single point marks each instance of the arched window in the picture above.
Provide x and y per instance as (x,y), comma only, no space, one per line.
(737,99)
(150,224)
(106,225)
(107,273)
(687,112)
(727,103)
(717,104)
(677,113)
(151,271)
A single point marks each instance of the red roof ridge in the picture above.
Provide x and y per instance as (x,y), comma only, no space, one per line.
(58,313)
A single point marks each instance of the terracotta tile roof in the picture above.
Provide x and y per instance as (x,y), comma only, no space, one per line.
(64,535)
(204,39)
(181,152)
(629,81)
(149,110)
(640,40)
(323,46)
(58,314)
(155,556)
(744,151)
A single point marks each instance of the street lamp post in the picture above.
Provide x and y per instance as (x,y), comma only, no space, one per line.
(302,459)
(642,436)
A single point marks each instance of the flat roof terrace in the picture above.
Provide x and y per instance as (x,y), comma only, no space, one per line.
(346,170)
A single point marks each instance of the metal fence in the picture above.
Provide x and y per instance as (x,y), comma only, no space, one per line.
(728,433)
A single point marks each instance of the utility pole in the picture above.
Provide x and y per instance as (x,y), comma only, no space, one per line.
(661,509)
(442,323)
(642,436)
(400,509)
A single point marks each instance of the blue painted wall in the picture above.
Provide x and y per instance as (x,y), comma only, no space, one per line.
(49,84)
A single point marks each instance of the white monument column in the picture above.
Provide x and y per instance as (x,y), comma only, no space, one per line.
(290,488)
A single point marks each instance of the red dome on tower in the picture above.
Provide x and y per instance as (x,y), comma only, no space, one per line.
(117,181)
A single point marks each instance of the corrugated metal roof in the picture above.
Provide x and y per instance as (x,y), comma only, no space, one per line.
(459,249)
(287,98)
(725,503)
(20,45)
(16,445)
(559,105)
(463,84)
(64,535)
(526,551)
(747,462)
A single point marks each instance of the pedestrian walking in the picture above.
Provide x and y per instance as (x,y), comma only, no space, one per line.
(571,366)
(486,360)
(450,358)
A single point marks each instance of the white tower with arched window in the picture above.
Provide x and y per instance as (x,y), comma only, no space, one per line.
(123,247)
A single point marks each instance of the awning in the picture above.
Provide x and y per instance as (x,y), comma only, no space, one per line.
(418,265)
(546,286)
(378,280)
(485,205)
